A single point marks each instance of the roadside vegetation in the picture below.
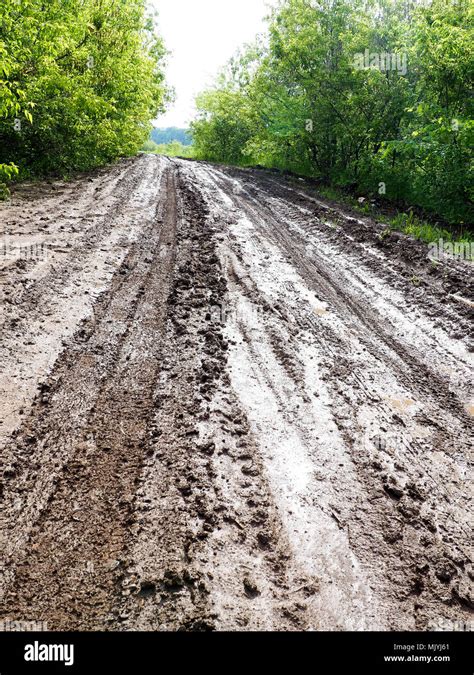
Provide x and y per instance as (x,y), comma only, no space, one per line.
(164,135)
(171,149)
(399,221)
(372,97)
(80,81)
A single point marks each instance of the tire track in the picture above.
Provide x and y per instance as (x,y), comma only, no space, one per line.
(71,564)
(234,434)
(405,430)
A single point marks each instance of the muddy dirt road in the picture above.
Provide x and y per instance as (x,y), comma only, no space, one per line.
(227,404)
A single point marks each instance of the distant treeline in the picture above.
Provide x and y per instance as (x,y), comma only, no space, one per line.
(169,134)
(171,149)
(367,95)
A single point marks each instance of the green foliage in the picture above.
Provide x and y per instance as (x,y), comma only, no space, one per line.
(168,134)
(421,229)
(7,172)
(368,94)
(79,82)
(149,146)
(174,149)
(408,223)
(223,131)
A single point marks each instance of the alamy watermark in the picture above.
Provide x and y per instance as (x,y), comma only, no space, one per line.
(384,61)
(450,625)
(16,250)
(50,653)
(450,250)
(13,626)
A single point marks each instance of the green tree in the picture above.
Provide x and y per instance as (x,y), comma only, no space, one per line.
(80,82)
(369,94)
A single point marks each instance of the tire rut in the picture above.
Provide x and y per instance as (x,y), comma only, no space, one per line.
(71,564)
(233,434)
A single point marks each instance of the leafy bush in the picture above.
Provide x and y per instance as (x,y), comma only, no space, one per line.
(175,149)
(79,82)
(311,98)
(7,172)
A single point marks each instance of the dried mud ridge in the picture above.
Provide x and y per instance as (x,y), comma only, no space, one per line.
(227,404)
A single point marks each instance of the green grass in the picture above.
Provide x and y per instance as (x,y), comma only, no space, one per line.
(419,229)
(408,223)
(172,149)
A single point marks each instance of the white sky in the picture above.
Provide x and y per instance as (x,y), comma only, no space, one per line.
(202,35)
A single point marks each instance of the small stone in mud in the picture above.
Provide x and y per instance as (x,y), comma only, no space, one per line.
(249,470)
(184,488)
(208,448)
(251,588)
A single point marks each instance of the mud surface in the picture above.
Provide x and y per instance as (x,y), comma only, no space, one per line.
(228,404)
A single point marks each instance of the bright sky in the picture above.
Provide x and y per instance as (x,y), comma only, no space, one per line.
(202,35)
